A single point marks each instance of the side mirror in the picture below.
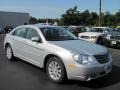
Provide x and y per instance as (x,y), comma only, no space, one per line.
(105,31)
(36,39)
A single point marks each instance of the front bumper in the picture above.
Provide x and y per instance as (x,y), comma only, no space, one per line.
(93,40)
(113,43)
(89,72)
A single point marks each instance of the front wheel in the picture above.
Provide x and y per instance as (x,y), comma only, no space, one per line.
(100,41)
(56,70)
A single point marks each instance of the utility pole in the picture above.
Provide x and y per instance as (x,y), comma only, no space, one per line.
(100,13)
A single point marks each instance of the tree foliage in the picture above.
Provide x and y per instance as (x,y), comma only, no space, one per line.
(34,20)
(73,16)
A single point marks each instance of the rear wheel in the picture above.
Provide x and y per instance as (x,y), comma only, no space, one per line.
(55,70)
(9,53)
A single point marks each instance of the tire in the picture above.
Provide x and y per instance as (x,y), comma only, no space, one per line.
(9,53)
(100,41)
(55,70)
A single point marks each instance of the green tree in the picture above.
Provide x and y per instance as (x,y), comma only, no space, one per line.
(71,17)
(33,20)
(93,18)
(86,17)
(117,15)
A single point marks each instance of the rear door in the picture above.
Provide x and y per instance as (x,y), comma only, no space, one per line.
(18,41)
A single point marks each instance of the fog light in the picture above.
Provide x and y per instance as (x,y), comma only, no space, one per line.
(72,66)
(88,78)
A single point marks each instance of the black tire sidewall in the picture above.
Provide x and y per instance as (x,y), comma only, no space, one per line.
(99,41)
(10,59)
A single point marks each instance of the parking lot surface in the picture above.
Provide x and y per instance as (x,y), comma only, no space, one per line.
(19,75)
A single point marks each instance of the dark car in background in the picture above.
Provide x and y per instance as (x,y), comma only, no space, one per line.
(1,31)
(77,29)
(113,38)
(7,29)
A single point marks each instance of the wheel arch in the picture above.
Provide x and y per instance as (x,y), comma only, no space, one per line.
(48,57)
(98,38)
(6,44)
(52,55)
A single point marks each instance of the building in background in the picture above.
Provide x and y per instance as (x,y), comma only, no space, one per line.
(13,19)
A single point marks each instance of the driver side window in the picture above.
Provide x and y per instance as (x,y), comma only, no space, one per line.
(31,33)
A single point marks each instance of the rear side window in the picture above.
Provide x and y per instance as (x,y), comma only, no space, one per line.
(21,32)
(31,33)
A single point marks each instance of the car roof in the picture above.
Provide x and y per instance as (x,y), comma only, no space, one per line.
(37,26)
(41,26)
(100,27)
(76,26)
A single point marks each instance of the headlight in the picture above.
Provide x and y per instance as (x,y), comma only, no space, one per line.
(108,36)
(81,58)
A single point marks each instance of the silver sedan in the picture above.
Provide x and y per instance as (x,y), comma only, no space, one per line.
(58,52)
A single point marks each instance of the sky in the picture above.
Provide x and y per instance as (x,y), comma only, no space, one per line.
(55,8)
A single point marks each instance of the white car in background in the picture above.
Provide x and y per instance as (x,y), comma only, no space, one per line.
(95,35)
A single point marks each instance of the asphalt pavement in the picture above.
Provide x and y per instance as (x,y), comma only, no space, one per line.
(20,75)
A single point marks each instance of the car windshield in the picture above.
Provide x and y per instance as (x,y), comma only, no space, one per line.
(57,34)
(96,30)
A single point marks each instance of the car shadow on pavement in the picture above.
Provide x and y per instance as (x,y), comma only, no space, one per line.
(118,48)
(103,82)
(109,80)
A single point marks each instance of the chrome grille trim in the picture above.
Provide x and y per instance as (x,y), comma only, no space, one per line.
(102,58)
(115,37)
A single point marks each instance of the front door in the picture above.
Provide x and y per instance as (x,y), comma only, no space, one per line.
(34,50)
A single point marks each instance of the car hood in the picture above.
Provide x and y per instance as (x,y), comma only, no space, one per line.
(80,46)
(90,34)
(114,33)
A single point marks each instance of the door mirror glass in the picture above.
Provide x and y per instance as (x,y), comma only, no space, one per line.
(36,39)
(105,31)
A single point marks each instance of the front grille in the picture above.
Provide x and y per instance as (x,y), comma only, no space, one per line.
(85,37)
(102,58)
(115,37)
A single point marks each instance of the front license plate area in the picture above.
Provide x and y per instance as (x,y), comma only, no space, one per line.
(113,42)
(108,69)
